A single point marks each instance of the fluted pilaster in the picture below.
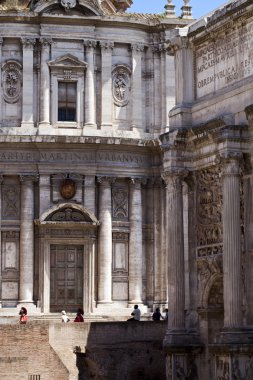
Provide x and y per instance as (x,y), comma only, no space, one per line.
(175,239)
(135,243)
(105,241)
(232,244)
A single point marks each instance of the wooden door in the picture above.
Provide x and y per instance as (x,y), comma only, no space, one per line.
(66,277)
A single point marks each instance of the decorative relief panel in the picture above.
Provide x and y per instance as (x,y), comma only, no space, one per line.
(10,254)
(210,287)
(120,252)
(9,290)
(12,81)
(120,203)
(121,85)
(10,202)
(209,212)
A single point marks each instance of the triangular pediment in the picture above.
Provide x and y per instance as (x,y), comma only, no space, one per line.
(67,61)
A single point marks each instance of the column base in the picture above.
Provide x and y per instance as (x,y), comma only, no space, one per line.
(90,125)
(44,128)
(28,128)
(234,336)
(180,340)
(105,127)
(233,351)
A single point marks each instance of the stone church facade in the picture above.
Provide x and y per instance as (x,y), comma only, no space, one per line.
(126,171)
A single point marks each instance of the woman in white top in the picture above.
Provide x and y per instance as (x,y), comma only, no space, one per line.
(64,317)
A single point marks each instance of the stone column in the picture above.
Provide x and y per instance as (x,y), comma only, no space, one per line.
(137,95)
(26,263)
(135,243)
(106,83)
(27,99)
(232,244)
(90,105)
(157,242)
(1,180)
(105,241)
(45,82)
(175,241)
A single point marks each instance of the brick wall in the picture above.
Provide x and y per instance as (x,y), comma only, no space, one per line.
(109,350)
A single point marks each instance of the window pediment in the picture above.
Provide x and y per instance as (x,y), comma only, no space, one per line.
(69,7)
(67,61)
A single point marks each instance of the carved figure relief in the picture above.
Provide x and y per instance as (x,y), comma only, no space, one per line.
(10,208)
(209,212)
(68,3)
(209,268)
(121,85)
(120,203)
(12,81)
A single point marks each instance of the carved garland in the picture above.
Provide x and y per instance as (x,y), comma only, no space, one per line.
(12,81)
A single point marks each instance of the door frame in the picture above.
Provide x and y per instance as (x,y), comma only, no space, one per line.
(62,232)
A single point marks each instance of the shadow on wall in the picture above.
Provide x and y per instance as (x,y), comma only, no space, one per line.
(125,351)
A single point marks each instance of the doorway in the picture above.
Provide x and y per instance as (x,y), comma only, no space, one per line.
(66,277)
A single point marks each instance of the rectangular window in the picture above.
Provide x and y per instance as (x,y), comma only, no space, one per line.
(66,101)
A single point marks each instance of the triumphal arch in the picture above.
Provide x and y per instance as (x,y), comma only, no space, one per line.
(126,171)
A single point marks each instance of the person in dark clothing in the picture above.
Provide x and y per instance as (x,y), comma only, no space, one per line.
(157,316)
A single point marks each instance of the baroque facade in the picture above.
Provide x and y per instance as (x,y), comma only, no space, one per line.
(126,171)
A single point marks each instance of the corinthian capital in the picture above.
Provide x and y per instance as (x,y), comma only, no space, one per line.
(28,42)
(174,178)
(137,48)
(90,44)
(46,42)
(137,182)
(29,177)
(106,181)
(106,45)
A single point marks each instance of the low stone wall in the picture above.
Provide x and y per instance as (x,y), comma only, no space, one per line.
(107,351)
(26,352)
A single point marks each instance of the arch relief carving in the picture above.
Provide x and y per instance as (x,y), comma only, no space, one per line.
(209,212)
(12,81)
